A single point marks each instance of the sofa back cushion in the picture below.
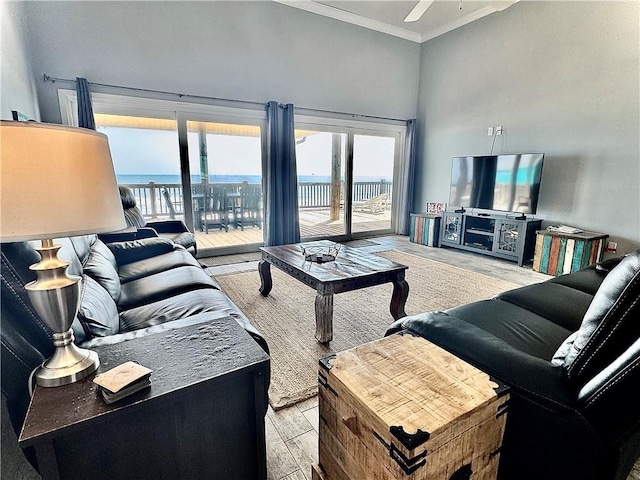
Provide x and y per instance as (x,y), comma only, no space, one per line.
(102,267)
(134,218)
(98,313)
(609,327)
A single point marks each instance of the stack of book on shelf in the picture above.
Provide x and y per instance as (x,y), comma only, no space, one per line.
(122,381)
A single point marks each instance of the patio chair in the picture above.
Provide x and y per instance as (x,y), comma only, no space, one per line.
(248,210)
(167,198)
(376,204)
(216,212)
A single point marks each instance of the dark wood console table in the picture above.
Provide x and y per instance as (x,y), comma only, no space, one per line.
(353,269)
(202,418)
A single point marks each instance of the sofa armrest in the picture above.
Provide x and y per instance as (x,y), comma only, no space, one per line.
(609,400)
(128,235)
(146,232)
(168,226)
(530,376)
(135,250)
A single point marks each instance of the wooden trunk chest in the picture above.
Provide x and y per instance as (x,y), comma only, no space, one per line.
(561,253)
(403,408)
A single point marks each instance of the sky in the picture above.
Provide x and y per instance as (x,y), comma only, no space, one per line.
(138,151)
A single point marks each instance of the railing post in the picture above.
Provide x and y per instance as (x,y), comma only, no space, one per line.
(152,195)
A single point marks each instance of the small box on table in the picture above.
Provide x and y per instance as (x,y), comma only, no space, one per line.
(425,229)
(403,408)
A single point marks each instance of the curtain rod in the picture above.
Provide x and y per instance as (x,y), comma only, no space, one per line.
(46,78)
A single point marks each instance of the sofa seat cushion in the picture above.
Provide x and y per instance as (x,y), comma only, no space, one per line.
(162,285)
(188,304)
(98,313)
(587,280)
(153,329)
(517,326)
(491,354)
(140,249)
(186,239)
(159,263)
(542,299)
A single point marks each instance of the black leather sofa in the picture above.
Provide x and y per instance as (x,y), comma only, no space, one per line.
(129,289)
(569,348)
(175,230)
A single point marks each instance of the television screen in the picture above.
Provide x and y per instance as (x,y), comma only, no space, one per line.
(497,182)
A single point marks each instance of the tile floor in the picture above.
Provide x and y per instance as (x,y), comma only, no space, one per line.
(292,433)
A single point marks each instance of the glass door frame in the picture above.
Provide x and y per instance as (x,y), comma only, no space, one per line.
(217,115)
(239,113)
(352,128)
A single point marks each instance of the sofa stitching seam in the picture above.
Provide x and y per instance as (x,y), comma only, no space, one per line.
(617,379)
(604,321)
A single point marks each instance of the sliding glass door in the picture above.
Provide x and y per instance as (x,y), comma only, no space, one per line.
(321,161)
(225,166)
(146,159)
(203,164)
(372,193)
(345,178)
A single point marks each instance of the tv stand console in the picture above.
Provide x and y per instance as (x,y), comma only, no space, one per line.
(497,234)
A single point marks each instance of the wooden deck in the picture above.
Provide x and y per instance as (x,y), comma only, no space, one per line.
(313,223)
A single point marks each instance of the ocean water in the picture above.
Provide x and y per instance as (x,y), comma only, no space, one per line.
(175,179)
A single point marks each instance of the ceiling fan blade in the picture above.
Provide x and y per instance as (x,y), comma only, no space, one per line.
(418,10)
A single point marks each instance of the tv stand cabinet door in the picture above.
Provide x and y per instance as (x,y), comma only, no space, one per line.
(509,237)
(451,229)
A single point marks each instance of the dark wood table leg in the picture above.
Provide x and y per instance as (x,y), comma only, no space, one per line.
(399,297)
(324,316)
(46,455)
(264,268)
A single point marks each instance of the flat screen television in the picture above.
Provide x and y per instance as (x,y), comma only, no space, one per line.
(497,182)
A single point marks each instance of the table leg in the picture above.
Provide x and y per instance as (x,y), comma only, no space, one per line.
(399,297)
(324,317)
(47,462)
(264,268)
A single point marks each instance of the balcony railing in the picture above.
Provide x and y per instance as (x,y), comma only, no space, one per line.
(153,204)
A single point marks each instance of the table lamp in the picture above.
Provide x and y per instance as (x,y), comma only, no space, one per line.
(56,181)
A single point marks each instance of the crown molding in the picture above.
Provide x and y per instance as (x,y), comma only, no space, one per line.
(471,17)
(337,14)
(344,16)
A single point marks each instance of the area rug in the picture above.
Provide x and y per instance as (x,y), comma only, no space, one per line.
(360,243)
(229,259)
(286,317)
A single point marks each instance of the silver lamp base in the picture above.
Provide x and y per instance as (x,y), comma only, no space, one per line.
(55,296)
(68,364)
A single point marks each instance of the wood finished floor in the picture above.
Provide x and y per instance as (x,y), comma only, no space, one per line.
(292,433)
(313,223)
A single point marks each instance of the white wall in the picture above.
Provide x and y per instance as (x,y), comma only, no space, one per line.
(17,84)
(256,51)
(563,79)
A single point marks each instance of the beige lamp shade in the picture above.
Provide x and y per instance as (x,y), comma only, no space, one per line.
(56,181)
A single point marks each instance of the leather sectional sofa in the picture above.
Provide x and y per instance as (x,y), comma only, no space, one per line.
(569,348)
(129,289)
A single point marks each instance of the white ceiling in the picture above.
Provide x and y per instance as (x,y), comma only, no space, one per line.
(388,16)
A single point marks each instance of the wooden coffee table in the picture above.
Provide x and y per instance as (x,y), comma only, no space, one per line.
(353,269)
